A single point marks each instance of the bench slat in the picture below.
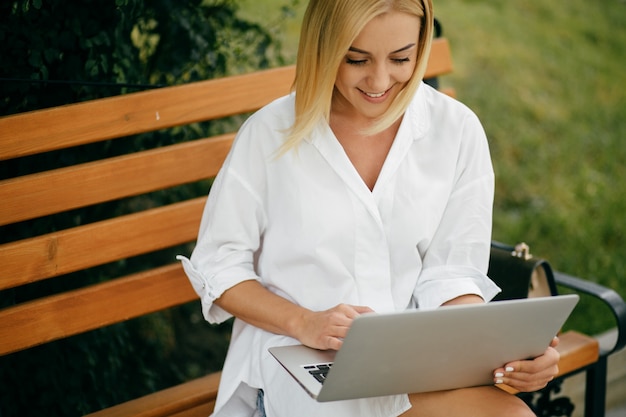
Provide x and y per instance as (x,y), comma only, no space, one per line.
(98,120)
(577,350)
(195,398)
(203,410)
(70,313)
(37,195)
(83,247)
(439,62)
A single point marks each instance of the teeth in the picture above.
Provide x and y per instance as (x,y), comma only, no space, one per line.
(376,95)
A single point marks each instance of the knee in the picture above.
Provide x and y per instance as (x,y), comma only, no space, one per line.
(517,408)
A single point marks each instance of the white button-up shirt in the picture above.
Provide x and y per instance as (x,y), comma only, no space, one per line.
(308,228)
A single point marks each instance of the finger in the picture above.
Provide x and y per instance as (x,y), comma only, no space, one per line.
(363,309)
(334,343)
(523,382)
(342,317)
(338,331)
(555,342)
(526,376)
(548,360)
(352,311)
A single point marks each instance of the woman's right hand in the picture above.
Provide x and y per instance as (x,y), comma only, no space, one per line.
(256,305)
(327,329)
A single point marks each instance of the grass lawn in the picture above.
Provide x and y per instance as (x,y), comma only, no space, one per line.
(548,81)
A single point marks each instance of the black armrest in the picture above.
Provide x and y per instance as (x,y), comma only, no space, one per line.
(608,296)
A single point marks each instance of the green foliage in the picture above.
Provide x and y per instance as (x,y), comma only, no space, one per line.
(85,373)
(65,52)
(57,52)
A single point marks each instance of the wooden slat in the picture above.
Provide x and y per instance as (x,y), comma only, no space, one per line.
(202,410)
(77,124)
(195,398)
(577,351)
(449,91)
(440,60)
(59,253)
(97,120)
(64,189)
(59,316)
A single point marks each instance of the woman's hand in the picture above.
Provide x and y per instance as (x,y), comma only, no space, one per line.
(530,375)
(271,312)
(326,329)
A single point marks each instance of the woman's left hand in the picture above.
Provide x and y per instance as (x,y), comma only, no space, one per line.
(530,375)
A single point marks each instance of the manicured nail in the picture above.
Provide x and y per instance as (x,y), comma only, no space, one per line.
(499,375)
(509,369)
(498,381)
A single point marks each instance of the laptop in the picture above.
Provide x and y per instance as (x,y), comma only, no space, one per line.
(419,351)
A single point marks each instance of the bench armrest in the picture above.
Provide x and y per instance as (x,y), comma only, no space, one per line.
(608,296)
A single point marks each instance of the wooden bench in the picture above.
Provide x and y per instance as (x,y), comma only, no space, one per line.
(60,188)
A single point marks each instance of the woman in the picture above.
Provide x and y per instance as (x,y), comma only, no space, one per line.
(366,190)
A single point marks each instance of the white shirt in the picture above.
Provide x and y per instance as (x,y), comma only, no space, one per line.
(309,229)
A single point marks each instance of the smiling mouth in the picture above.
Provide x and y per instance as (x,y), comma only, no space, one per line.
(375,95)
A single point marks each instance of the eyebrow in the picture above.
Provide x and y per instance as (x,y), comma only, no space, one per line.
(361,51)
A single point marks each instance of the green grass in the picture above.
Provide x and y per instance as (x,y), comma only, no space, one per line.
(548,81)
(282,17)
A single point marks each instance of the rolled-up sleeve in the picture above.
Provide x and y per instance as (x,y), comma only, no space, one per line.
(229,236)
(208,289)
(440,284)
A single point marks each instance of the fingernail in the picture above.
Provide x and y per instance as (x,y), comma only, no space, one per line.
(509,369)
(498,381)
(499,375)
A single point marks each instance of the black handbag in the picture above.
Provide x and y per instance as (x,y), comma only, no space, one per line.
(518,273)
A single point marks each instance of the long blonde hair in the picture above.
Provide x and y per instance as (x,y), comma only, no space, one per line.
(328,29)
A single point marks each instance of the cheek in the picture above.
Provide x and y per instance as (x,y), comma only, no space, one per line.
(346,77)
(405,73)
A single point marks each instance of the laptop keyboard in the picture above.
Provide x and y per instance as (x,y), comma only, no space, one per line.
(319,371)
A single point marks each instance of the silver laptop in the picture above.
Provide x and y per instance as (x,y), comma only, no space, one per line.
(419,351)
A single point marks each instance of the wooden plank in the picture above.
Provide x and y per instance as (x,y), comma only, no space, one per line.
(59,253)
(63,315)
(195,398)
(40,194)
(202,410)
(440,60)
(97,120)
(577,351)
(114,117)
(449,91)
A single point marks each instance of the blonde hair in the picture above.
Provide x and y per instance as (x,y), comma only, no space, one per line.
(328,29)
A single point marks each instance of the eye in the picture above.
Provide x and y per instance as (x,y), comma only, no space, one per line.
(401,60)
(350,61)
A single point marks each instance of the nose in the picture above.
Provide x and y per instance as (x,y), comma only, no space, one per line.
(378,78)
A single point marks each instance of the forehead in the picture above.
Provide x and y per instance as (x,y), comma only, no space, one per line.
(388,32)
